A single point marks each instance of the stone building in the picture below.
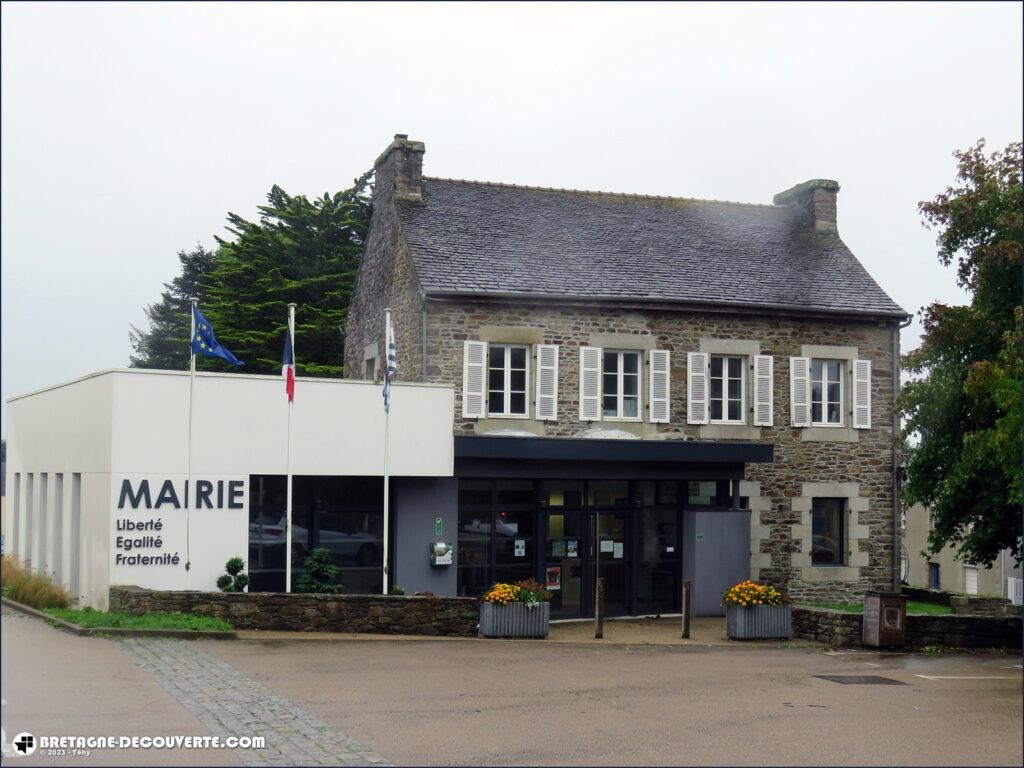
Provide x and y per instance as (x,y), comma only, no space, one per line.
(647,389)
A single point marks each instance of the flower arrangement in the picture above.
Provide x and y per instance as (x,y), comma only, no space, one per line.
(751,593)
(528,592)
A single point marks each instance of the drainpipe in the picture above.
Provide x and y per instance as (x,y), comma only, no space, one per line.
(896,453)
(423,323)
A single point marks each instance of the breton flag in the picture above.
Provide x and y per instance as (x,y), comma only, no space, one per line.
(288,362)
(392,360)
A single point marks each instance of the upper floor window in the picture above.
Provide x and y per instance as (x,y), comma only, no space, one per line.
(507,366)
(826,393)
(621,385)
(727,390)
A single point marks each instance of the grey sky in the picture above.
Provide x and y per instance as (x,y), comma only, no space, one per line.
(130,130)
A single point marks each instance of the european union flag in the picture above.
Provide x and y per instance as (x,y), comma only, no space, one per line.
(204,342)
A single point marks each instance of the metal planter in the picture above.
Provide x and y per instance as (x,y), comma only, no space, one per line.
(514,620)
(758,622)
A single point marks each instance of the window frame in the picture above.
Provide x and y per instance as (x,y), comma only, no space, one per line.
(507,381)
(620,375)
(843,531)
(725,378)
(823,381)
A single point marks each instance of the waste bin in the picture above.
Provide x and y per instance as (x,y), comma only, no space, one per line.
(885,620)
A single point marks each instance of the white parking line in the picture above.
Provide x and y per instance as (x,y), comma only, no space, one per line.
(965,677)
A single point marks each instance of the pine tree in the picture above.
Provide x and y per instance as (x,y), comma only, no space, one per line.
(299,251)
(165,343)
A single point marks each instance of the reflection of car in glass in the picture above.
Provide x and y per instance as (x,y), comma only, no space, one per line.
(360,547)
(824,550)
(501,528)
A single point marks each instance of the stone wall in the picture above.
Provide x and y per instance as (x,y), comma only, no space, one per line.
(386,614)
(971,605)
(839,629)
(858,459)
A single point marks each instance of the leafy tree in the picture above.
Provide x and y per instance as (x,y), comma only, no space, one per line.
(302,251)
(165,343)
(966,406)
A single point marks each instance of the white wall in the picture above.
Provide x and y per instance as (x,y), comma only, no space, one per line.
(133,424)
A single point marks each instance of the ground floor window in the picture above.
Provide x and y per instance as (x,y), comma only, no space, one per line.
(827,534)
(344,515)
(934,578)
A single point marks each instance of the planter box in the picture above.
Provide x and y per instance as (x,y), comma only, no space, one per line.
(514,620)
(758,622)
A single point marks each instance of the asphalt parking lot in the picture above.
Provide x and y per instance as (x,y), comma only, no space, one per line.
(512,703)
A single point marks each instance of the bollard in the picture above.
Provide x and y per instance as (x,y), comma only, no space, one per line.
(686,610)
(599,610)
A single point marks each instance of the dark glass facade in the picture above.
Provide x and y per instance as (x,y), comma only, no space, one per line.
(344,515)
(568,533)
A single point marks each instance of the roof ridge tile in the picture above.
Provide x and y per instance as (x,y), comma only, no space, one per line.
(603,193)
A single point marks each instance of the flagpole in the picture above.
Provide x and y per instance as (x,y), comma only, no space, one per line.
(387,433)
(188,450)
(288,465)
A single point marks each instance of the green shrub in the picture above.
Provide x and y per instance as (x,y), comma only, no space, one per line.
(234,580)
(321,574)
(396,590)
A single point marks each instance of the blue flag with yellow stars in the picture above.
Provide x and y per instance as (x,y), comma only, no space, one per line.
(204,342)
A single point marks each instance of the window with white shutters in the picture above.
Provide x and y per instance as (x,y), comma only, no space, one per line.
(799,391)
(547,382)
(763,390)
(660,379)
(862,394)
(827,393)
(474,367)
(970,579)
(697,388)
(590,383)
(726,389)
(508,367)
(620,385)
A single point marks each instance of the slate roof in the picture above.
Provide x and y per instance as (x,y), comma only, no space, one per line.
(484,239)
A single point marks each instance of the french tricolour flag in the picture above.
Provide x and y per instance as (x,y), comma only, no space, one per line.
(288,362)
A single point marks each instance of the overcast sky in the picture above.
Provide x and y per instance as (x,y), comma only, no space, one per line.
(129,131)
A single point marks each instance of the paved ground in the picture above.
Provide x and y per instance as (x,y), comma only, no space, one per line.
(507,702)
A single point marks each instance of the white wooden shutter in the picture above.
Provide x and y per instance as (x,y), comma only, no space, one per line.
(590,383)
(763,390)
(862,394)
(660,377)
(547,382)
(970,580)
(800,391)
(474,379)
(697,387)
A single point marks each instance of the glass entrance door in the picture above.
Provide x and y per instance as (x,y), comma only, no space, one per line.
(564,562)
(612,554)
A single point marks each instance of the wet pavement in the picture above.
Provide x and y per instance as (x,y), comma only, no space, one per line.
(626,700)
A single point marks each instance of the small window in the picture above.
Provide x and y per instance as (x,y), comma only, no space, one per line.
(827,531)
(826,393)
(934,577)
(370,369)
(970,579)
(727,390)
(621,385)
(506,380)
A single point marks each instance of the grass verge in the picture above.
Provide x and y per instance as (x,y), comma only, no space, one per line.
(87,617)
(914,607)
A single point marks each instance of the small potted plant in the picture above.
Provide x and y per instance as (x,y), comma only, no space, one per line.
(756,612)
(515,610)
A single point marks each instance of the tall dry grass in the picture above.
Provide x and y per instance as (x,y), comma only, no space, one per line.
(32,589)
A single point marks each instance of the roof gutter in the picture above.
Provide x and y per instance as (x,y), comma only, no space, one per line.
(640,302)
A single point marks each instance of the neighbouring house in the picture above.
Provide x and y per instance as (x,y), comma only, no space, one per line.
(945,571)
(647,389)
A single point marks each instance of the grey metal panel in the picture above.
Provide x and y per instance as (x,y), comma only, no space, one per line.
(721,557)
(418,500)
(595,470)
(594,449)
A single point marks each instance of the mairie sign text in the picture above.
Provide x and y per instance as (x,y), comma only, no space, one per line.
(209,494)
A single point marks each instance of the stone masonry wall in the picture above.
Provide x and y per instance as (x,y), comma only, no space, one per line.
(386,279)
(866,462)
(385,614)
(839,629)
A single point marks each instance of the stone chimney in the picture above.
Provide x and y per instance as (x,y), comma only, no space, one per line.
(816,199)
(399,170)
